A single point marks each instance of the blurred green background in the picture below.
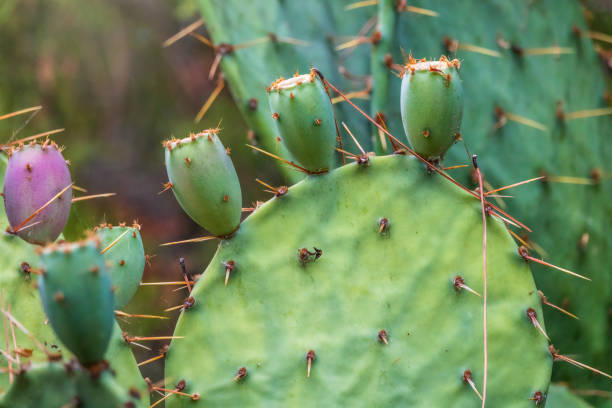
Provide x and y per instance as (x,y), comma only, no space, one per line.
(100,71)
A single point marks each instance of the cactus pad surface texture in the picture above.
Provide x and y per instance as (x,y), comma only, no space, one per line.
(532,89)
(330,265)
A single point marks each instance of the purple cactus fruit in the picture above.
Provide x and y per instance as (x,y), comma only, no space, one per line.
(35,174)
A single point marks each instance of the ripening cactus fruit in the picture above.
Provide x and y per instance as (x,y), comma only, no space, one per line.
(432,105)
(125,258)
(533,79)
(302,109)
(75,289)
(204,181)
(37,174)
(344,292)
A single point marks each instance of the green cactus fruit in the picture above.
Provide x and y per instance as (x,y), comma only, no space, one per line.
(204,181)
(350,290)
(53,385)
(432,105)
(303,113)
(77,297)
(125,259)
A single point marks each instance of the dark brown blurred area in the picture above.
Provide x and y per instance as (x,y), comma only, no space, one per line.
(100,71)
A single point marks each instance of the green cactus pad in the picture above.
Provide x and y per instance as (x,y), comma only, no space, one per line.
(432,105)
(336,260)
(53,385)
(303,112)
(125,259)
(76,294)
(204,181)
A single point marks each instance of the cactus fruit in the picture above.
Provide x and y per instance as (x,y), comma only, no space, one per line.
(125,259)
(359,266)
(75,289)
(534,86)
(204,181)
(37,174)
(432,105)
(303,113)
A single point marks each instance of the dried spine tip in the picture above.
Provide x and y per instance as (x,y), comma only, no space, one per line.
(467,379)
(537,398)
(242,373)
(229,267)
(383,226)
(310,357)
(459,283)
(382,336)
(531,315)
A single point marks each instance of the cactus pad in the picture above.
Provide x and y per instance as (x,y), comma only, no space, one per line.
(344,263)
(124,253)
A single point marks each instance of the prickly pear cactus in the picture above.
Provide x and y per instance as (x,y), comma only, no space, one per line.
(350,289)
(533,88)
(19,296)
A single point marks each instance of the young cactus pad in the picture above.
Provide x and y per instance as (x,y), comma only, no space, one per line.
(37,174)
(432,105)
(125,259)
(337,260)
(76,294)
(204,181)
(304,117)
